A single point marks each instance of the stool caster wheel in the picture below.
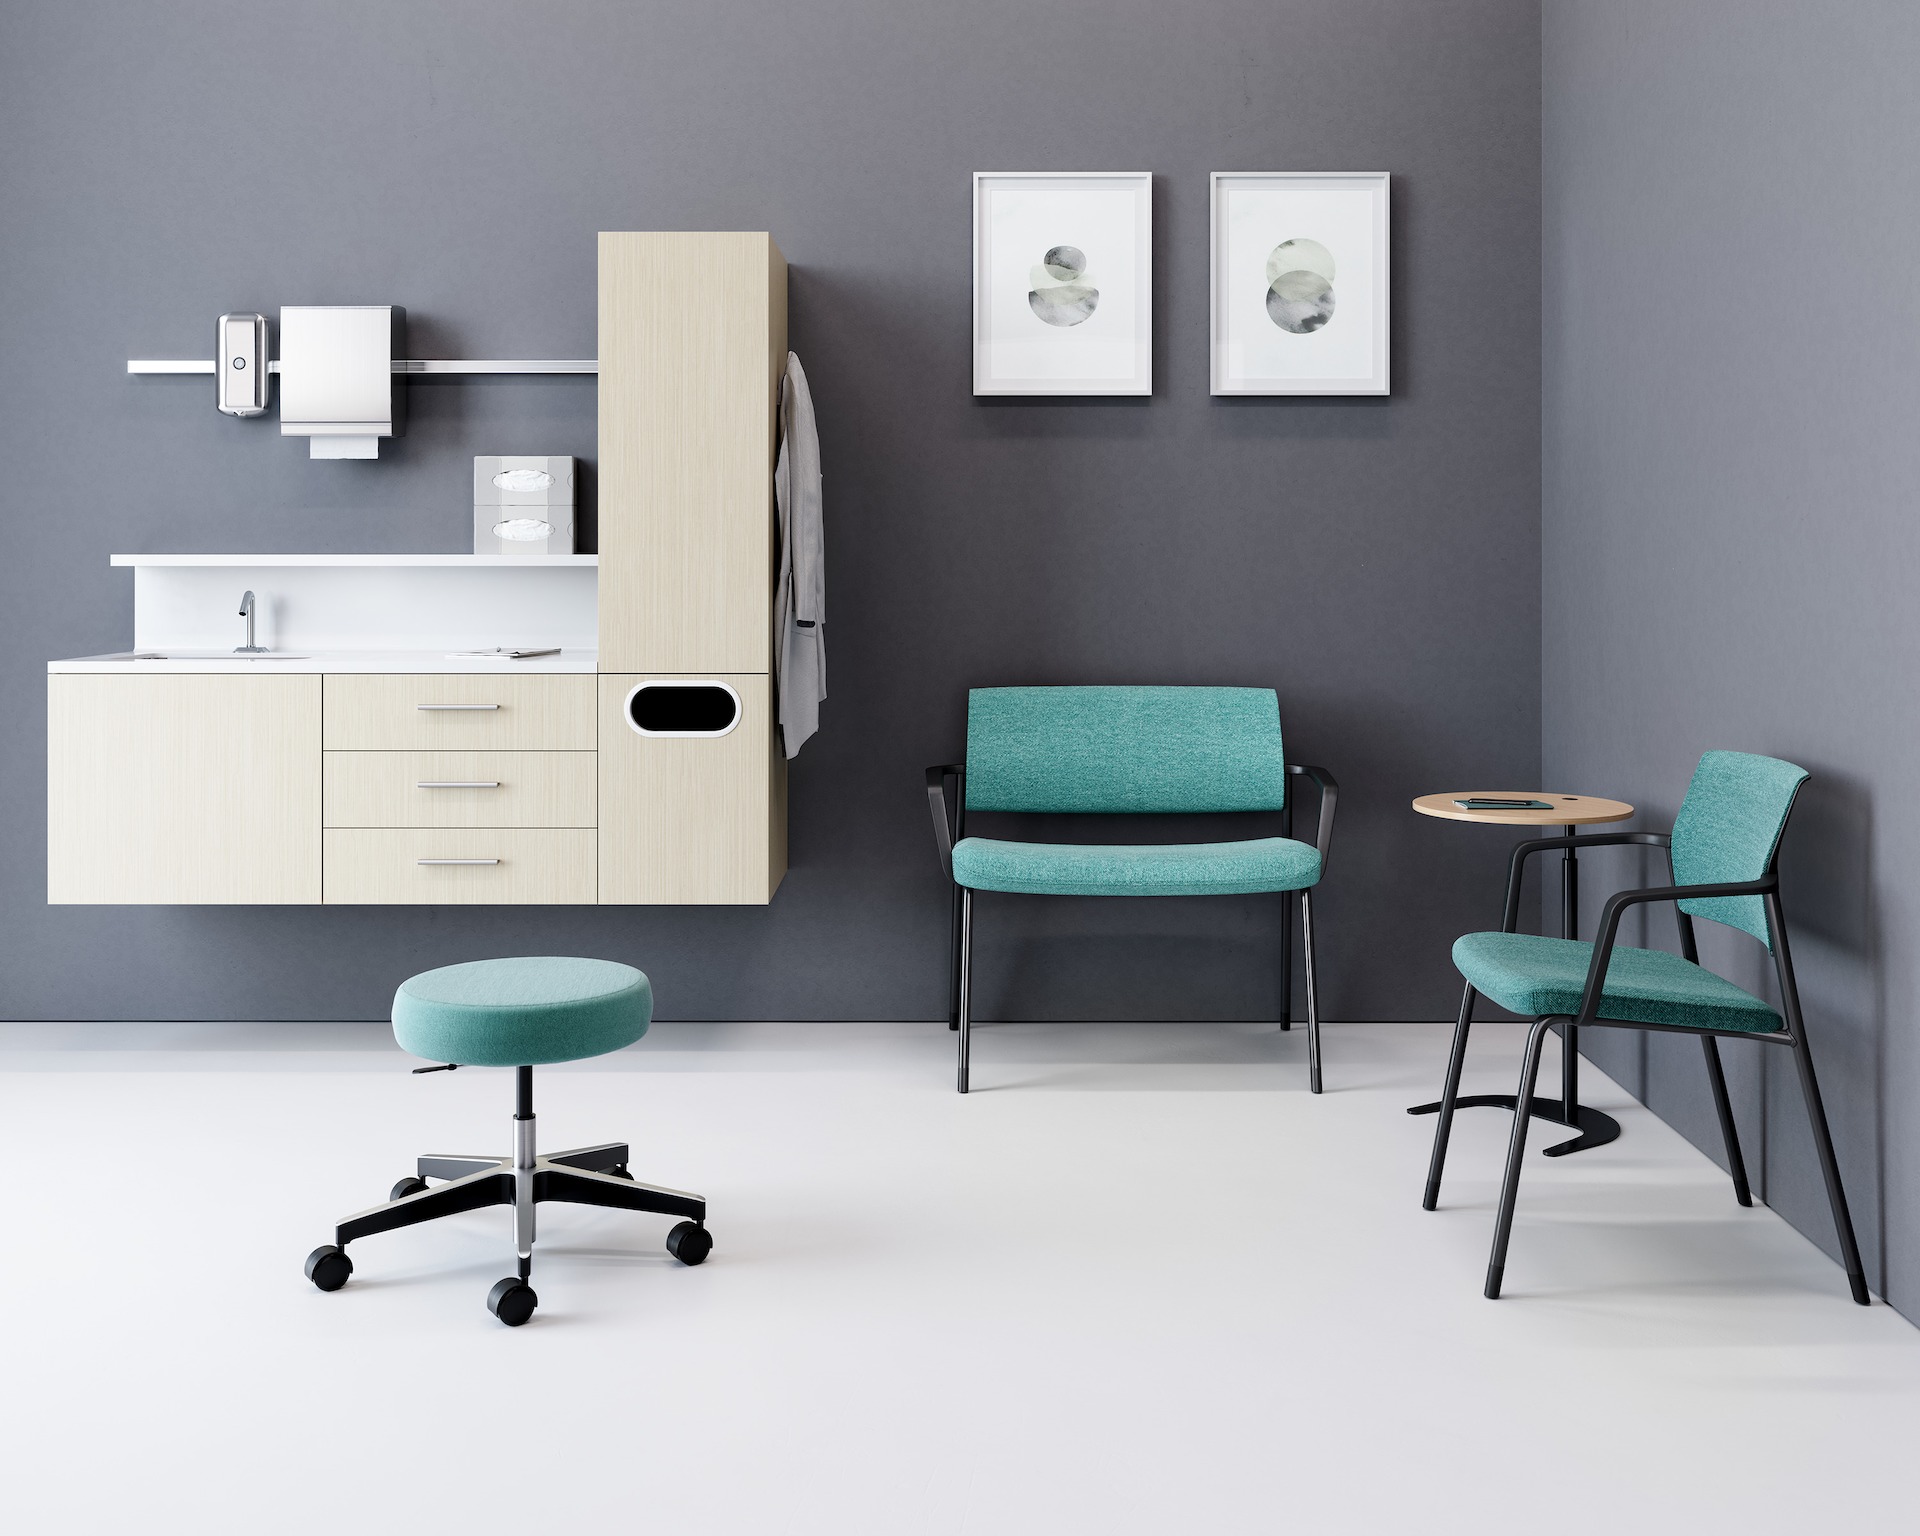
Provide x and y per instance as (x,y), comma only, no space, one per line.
(512,1301)
(328,1267)
(407,1186)
(690,1242)
(619,1171)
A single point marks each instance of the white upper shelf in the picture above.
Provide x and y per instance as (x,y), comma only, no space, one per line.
(457,562)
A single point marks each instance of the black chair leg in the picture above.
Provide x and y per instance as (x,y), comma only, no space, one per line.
(1516,1155)
(1830,1171)
(1456,1061)
(1313,999)
(1286,963)
(1723,1107)
(963,1005)
(953,963)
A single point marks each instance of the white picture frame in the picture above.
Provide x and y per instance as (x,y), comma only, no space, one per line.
(1321,327)
(1063,283)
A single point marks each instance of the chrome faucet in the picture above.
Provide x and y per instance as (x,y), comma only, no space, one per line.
(246,612)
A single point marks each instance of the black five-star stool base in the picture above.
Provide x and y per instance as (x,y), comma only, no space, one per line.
(583,1176)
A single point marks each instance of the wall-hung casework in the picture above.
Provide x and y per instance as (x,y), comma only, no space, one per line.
(371,752)
(1063,283)
(1299,283)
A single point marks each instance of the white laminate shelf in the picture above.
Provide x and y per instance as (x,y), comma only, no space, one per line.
(455,562)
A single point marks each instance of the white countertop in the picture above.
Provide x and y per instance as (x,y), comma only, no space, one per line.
(278,663)
(453,562)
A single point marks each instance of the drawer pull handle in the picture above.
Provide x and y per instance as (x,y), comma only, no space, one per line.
(456,861)
(456,706)
(457,784)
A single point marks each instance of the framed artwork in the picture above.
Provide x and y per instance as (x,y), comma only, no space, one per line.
(1299,283)
(1063,283)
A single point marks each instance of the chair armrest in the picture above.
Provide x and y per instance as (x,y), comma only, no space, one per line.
(1329,798)
(945,808)
(1617,905)
(1526,850)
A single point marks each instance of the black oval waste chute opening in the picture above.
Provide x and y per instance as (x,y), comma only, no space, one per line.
(683,709)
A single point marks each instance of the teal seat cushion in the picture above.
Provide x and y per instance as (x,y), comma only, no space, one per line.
(522,1013)
(1152,869)
(1533,976)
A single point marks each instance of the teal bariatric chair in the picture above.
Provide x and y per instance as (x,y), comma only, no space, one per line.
(1121,751)
(1722,851)
(519,1013)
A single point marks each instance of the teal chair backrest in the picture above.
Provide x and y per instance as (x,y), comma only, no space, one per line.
(1162,750)
(1728,828)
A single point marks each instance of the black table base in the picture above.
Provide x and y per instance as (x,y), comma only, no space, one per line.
(1596,1129)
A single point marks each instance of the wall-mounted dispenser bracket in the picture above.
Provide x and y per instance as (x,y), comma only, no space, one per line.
(341,387)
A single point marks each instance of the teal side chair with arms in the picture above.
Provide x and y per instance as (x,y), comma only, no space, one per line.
(1126,751)
(1722,853)
(518,1013)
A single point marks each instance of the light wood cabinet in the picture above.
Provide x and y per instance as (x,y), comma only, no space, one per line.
(496,787)
(183,789)
(691,819)
(693,345)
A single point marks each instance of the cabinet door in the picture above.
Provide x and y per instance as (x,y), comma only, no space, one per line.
(693,341)
(183,789)
(691,818)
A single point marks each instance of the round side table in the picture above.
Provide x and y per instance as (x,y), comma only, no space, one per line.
(1566,812)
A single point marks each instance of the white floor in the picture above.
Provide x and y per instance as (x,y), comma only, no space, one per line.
(1139,1281)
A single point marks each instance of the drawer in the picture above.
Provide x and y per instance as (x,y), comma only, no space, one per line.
(383,712)
(459,789)
(507,866)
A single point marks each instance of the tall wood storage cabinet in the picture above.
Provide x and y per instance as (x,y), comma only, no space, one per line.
(693,342)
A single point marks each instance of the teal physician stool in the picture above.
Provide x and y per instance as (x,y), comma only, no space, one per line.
(518,1013)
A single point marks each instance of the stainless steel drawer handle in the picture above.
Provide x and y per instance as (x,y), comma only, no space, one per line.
(457,784)
(456,861)
(456,706)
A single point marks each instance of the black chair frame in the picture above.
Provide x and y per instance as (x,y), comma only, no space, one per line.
(1793,1037)
(947,800)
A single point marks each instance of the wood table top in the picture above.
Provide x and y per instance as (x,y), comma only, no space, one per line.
(1563,811)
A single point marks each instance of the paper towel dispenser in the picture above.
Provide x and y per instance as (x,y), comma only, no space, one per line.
(337,385)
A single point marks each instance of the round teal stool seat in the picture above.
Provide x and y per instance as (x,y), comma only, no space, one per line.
(523,1012)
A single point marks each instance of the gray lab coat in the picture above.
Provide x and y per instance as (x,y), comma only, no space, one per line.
(800,600)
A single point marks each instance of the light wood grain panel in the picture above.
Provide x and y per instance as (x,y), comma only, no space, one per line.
(183,789)
(374,712)
(459,789)
(537,866)
(688,819)
(692,341)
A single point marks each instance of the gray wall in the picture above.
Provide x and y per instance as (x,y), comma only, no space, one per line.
(1729,537)
(1376,560)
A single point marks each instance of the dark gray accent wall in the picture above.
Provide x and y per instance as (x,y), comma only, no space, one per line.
(1376,560)
(1730,539)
